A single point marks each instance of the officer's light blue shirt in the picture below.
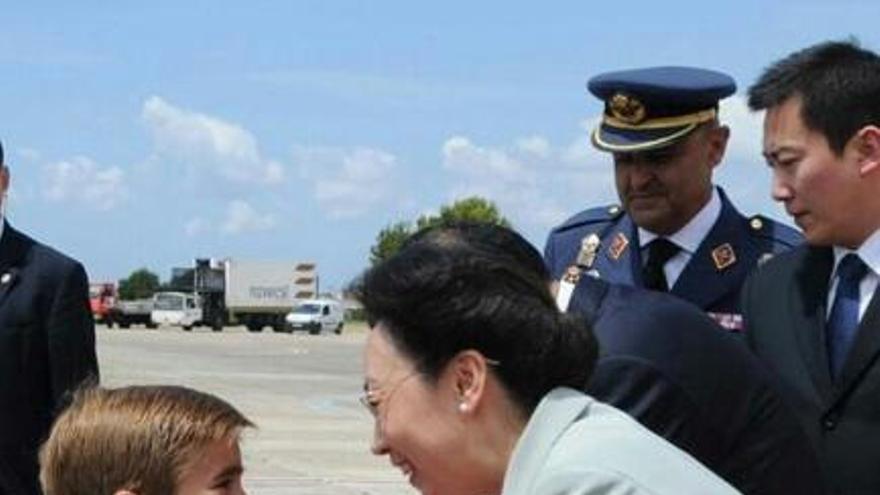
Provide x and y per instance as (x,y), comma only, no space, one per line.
(688,238)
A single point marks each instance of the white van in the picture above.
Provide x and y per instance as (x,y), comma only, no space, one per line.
(315,316)
(177,309)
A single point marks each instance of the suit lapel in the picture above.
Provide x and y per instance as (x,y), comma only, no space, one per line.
(619,260)
(864,351)
(809,319)
(702,281)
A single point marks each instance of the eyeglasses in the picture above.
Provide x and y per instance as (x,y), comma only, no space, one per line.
(370,398)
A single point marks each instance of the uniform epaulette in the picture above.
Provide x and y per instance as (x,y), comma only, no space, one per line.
(593,215)
(767,228)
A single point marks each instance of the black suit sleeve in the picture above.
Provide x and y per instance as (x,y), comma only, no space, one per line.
(71,335)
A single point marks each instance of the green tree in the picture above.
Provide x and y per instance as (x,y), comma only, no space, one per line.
(140,284)
(473,209)
(389,241)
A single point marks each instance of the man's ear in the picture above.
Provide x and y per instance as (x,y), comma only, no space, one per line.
(470,372)
(718,144)
(867,146)
(4,179)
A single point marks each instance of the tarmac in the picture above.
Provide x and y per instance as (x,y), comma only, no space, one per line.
(301,390)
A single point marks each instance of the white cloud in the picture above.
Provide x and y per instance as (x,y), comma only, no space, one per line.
(205,141)
(534,183)
(82,180)
(242,217)
(347,183)
(195,227)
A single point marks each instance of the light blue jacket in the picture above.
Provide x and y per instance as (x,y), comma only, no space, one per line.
(575,445)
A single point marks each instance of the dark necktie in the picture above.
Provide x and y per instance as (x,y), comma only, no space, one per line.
(844,318)
(660,250)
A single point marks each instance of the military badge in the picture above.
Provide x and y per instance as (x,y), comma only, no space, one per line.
(572,275)
(723,256)
(627,109)
(618,246)
(589,248)
(566,286)
(729,321)
(5,278)
(765,258)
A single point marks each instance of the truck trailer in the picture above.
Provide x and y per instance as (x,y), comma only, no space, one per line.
(252,293)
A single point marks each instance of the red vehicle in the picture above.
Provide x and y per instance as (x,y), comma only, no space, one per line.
(102,298)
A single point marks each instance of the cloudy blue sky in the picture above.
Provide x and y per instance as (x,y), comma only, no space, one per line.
(150,133)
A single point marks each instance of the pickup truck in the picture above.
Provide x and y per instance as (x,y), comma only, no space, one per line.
(127,313)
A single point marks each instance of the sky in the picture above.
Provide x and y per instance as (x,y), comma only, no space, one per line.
(147,134)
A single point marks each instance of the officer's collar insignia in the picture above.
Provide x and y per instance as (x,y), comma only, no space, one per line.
(618,246)
(627,109)
(723,256)
(765,258)
(589,248)
(614,210)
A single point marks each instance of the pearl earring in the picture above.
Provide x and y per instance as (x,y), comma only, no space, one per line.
(462,407)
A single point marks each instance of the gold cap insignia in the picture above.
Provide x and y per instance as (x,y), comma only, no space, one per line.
(723,256)
(756,223)
(618,246)
(589,248)
(627,109)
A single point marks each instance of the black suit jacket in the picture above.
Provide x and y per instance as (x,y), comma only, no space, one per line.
(666,363)
(785,304)
(47,348)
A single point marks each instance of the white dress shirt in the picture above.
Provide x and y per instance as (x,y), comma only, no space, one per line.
(869,252)
(688,239)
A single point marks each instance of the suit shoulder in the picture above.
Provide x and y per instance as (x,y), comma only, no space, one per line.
(37,252)
(779,236)
(590,218)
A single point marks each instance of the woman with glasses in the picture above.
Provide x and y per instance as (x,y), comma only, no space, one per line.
(472,376)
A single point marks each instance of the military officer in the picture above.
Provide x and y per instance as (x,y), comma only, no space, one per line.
(675,232)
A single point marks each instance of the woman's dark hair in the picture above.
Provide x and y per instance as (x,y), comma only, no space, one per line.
(838,83)
(482,287)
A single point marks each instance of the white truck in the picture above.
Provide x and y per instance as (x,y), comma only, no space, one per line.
(255,294)
(316,316)
(177,309)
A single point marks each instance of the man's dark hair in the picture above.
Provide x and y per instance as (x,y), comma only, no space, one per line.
(480,287)
(838,83)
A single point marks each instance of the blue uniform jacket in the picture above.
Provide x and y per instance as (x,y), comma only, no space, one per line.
(715,290)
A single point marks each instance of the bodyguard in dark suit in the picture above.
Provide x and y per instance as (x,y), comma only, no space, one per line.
(813,314)
(47,347)
(665,363)
(675,231)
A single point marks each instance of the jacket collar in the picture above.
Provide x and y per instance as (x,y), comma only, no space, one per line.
(553,416)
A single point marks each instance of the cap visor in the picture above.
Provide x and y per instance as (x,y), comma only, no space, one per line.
(608,138)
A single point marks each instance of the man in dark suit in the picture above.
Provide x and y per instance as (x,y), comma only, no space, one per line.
(665,363)
(47,346)
(676,232)
(813,314)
